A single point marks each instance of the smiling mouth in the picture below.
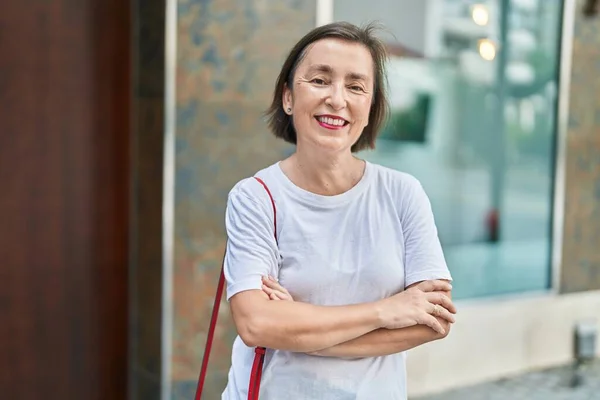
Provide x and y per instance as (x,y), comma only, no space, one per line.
(331,123)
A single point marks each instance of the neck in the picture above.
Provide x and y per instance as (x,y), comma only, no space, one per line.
(326,175)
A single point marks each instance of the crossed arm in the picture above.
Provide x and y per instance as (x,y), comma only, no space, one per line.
(382,342)
(346,332)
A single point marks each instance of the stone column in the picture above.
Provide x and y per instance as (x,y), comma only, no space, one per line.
(229,53)
(580,269)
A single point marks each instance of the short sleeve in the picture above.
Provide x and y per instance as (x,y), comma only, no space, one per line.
(424,258)
(251,246)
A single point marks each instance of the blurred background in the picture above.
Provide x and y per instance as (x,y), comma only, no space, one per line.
(125,124)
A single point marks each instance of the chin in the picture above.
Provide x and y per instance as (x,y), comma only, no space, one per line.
(330,141)
(333,144)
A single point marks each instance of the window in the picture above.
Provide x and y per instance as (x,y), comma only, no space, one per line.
(475,127)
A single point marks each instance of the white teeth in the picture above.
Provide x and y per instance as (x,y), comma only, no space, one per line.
(332,121)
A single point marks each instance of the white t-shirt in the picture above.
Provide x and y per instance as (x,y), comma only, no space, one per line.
(363,245)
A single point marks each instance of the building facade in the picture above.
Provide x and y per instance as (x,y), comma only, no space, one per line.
(495,109)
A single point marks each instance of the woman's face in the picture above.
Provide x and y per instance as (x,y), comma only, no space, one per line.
(332,95)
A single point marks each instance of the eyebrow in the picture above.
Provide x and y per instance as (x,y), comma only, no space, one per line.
(328,70)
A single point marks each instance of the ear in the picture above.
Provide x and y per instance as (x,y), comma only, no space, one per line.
(287,99)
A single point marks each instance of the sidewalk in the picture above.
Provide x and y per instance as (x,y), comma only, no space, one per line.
(552,384)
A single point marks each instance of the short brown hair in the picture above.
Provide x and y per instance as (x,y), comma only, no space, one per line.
(281,124)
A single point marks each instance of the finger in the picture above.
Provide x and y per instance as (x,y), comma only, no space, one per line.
(433,323)
(440,312)
(271,279)
(271,282)
(442,300)
(270,291)
(445,314)
(448,304)
(435,285)
(278,294)
(282,296)
(267,289)
(266,280)
(276,286)
(273,296)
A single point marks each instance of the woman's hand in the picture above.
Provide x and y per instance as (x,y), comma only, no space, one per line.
(420,304)
(274,290)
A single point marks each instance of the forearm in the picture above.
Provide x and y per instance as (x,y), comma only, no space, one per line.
(382,342)
(302,327)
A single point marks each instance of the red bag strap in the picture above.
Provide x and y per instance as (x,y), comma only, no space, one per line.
(259,352)
(272,204)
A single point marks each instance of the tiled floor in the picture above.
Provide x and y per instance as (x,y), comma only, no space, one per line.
(552,384)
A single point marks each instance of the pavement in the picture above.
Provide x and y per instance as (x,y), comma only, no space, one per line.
(551,384)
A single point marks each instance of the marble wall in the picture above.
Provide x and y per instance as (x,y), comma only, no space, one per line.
(228,57)
(581,244)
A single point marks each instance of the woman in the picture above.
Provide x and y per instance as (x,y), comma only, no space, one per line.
(356,249)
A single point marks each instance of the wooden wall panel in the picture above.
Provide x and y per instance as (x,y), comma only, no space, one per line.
(64,198)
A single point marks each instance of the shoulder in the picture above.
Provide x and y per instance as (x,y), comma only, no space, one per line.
(250,190)
(404,190)
(397,182)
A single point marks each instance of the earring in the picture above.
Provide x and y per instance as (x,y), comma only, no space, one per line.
(289,110)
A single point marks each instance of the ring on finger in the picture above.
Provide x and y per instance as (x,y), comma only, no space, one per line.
(436,310)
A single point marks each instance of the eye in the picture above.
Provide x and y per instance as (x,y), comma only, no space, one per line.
(318,81)
(357,88)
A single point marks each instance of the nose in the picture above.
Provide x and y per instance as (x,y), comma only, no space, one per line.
(336,98)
